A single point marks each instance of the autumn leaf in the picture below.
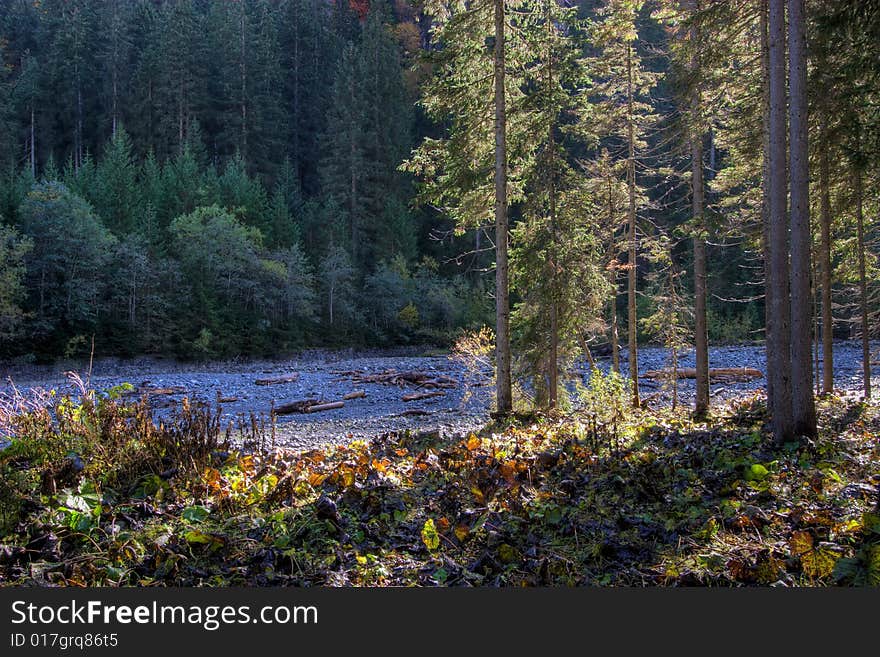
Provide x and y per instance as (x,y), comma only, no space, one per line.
(801,543)
(461,532)
(818,563)
(213,480)
(430,537)
(473,443)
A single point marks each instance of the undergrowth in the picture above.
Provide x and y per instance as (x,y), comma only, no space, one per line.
(96,493)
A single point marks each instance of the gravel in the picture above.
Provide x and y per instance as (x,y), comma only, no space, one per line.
(459,411)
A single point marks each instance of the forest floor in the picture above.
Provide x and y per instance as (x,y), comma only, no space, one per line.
(457,411)
(97,494)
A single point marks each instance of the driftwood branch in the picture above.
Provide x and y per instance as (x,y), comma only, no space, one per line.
(287,378)
(402,378)
(325,407)
(716,374)
(298,406)
(423,395)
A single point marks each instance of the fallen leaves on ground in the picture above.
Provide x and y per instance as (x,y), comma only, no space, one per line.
(671,504)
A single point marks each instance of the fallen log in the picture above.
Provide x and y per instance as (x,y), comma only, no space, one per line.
(287,378)
(298,406)
(716,374)
(423,395)
(226,400)
(402,378)
(317,408)
(355,394)
(172,390)
(158,392)
(347,372)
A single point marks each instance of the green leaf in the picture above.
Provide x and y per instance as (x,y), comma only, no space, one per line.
(195,513)
(196,536)
(756,472)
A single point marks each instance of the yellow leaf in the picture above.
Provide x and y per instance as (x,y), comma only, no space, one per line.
(819,563)
(246,463)
(461,532)
(474,443)
(801,543)
(430,537)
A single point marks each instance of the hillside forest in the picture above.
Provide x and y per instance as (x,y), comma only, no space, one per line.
(526,188)
(211,179)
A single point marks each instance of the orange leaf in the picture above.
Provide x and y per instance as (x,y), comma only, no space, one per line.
(213,479)
(508,471)
(461,532)
(443,524)
(473,443)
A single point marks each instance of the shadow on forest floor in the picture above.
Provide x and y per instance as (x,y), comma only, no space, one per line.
(98,498)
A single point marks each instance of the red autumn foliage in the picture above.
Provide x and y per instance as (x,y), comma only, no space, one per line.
(362,7)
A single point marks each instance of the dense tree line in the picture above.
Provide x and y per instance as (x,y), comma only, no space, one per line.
(215,178)
(246,177)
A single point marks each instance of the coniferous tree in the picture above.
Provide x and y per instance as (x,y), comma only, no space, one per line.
(622,89)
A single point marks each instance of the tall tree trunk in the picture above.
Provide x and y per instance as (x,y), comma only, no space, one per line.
(180,138)
(504,398)
(77,130)
(115,106)
(115,72)
(612,277)
(701,330)
(817,332)
(554,292)
(33,144)
(632,320)
(863,280)
(777,284)
(296,74)
(242,65)
(615,338)
(765,177)
(803,405)
(825,264)
(78,158)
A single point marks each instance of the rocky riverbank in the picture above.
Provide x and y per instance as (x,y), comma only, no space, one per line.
(328,376)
